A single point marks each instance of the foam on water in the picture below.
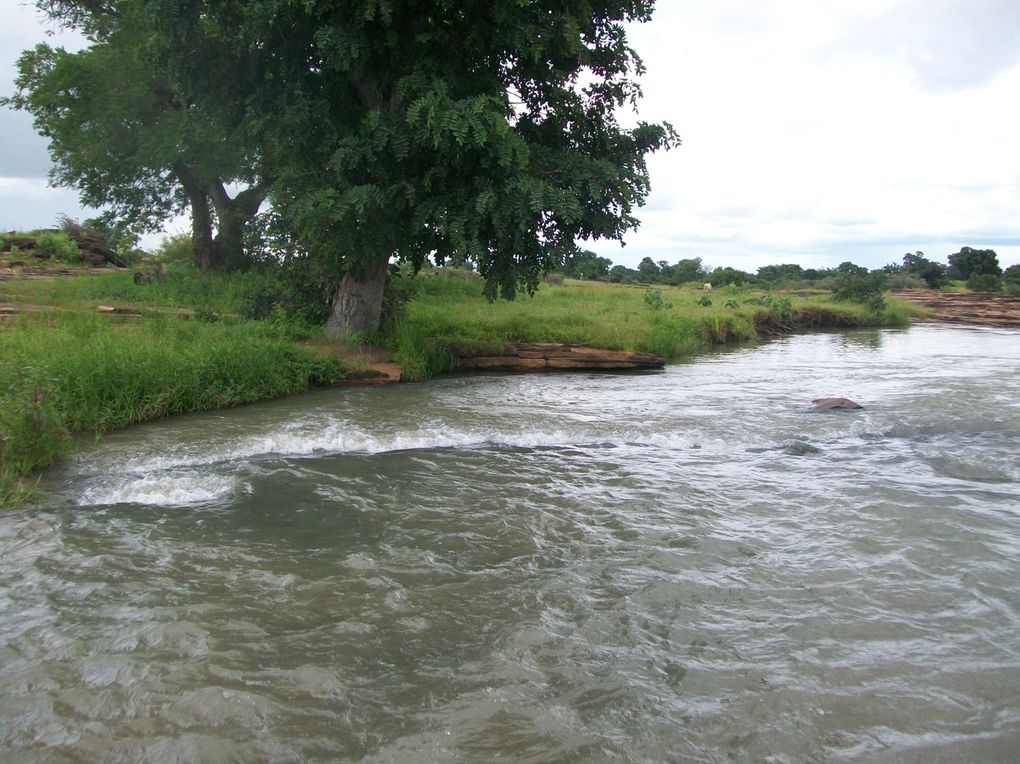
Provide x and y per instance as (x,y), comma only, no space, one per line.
(162,487)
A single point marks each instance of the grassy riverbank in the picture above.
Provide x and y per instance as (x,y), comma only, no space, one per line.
(445,307)
(68,371)
(71,373)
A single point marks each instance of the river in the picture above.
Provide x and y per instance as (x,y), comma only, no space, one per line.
(679,566)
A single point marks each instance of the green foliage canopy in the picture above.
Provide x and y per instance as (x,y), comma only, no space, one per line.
(985,282)
(934,274)
(94,108)
(688,269)
(586,265)
(129,135)
(970,262)
(855,284)
(485,131)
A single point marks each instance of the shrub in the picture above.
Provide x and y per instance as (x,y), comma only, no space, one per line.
(654,301)
(905,280)
(301,287)
(59,246)
(782,307)
(553,278)
(1011,280)
(176,250)
(856,284)
(984,282)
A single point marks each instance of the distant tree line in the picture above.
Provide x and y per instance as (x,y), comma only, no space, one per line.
(978,268)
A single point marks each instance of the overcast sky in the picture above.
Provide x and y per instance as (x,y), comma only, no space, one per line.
(814,131)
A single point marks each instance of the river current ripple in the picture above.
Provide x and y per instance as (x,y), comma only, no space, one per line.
(682,566)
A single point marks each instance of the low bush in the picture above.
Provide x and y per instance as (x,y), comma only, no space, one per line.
(906,280)
(985,282)
(856,284)
(59,246)
(654,300)
(1011,280)
(176,250)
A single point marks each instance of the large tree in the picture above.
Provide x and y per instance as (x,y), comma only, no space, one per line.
(973,262)
(409,129)
(414,129)
(126,134)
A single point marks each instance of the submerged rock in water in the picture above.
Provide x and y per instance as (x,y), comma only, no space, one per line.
(793,448)
(800,448)
(835,404)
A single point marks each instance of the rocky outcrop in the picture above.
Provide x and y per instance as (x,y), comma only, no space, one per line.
(975,308)
(835,404)
(539,356)
(94,249)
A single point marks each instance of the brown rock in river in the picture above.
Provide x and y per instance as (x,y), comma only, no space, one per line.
(829,404)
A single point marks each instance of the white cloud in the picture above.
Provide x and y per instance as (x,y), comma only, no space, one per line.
(946,44)
(812,132)
(29,203)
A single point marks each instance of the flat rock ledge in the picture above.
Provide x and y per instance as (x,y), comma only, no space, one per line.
(975,308)
(539,356)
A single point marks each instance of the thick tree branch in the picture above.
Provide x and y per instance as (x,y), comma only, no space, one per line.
(247,201)
(367,95)
(252,197)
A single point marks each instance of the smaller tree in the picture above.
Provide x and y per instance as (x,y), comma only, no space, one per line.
(984,282)
(855,284)
(969,262)
(1011,280)
(724,276)
(934,274)
(775,274)
(621,274)
(648,269)
(688,269)
(585,264)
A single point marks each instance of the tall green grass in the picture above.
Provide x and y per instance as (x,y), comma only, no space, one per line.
(446,307)
(183,287)
(72,373)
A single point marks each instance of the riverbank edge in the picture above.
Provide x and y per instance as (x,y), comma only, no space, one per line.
(375,367)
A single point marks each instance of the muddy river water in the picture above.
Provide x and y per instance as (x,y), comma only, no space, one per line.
(679,566)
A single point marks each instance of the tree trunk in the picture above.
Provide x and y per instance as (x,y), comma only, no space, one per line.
(232,215)
(357,302)
(201,217)
(229,241)
(201,233)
